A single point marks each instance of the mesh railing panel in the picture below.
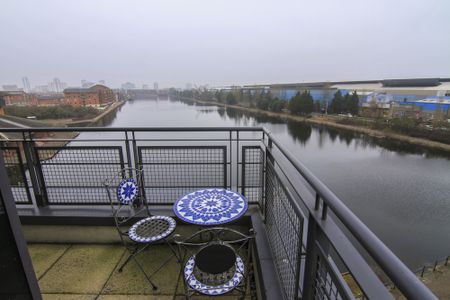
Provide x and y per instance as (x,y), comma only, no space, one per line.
(75,175)
(252,174)
(284,231)
(326,284)
(172,171)
(16,173)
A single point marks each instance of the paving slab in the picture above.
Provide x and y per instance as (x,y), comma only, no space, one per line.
(134,297)
(225,297)
(83,269)
(437,281)
(132,281)
(44,256)
(68,297)
(71,234)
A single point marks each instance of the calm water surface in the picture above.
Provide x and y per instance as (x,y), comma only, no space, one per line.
(400,192)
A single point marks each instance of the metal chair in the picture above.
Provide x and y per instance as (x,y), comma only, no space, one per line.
(136,226)
(220,266)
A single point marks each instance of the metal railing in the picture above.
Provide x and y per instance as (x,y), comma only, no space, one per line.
(320,249)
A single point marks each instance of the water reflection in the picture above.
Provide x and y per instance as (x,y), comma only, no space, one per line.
(402,197)
(221,112)
(235,114)
(299,131)
(108,119)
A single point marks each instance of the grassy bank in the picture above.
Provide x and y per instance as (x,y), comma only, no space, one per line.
(93,121)
(64,115)
(334,122)
(52,112)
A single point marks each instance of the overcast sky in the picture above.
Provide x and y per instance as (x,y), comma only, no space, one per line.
(222,42)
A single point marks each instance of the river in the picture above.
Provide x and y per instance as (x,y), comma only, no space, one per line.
(401,192)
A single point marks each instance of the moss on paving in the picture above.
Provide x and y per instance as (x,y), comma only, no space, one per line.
(83,269)
(69,234)
(132,281)
(68,297)
(44,256)
(133,297)
(88,272)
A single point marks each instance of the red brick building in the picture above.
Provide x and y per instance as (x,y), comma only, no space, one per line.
(50,99)
(93,96)
(18,98)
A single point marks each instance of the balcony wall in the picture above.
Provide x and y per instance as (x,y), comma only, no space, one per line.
(316,247)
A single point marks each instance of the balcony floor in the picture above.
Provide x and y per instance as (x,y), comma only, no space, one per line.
(89,271)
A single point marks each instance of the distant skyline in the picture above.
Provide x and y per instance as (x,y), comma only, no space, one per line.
(222,42)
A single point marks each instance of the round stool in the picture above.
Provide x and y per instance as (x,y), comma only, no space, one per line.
(215,264)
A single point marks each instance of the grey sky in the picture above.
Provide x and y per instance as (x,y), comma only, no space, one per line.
(222,42)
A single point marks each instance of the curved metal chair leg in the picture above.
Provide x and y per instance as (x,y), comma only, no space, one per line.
(145,273)
(126,262)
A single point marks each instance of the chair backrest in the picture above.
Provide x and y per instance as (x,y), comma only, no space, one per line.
(126,195)
(202,281)
(213,235)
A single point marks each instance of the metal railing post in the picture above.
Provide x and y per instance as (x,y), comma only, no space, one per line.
(127,151)
(298,265)
(231,158)
(33,169)
(317,203)
(237,161)
(310,260)
(324,211)
(243,173)
(268,159)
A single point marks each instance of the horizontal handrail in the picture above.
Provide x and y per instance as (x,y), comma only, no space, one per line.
(400,275)
(137,129)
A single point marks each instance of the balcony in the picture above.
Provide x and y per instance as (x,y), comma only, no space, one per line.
(309,245)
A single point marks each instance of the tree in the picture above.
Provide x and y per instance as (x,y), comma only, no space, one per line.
(302,103)
(231,98)
(317,107)
(221,97)
(346,104)
(336,103)
(277,105)
(308,103)
(354,104)
(295,104)
(373,109)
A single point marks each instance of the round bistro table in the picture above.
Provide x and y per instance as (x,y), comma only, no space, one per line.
(210,207)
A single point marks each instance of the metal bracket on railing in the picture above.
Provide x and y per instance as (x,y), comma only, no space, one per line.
(317,204)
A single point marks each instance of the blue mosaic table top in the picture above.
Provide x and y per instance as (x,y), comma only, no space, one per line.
(210,207)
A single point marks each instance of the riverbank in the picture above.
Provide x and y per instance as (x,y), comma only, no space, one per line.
(90,122)
(331,122)
(437,281)
(85,122)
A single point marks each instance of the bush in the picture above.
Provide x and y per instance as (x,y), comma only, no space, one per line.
(52,112)
(405,125)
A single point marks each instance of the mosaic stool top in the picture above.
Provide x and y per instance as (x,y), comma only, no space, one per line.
(210,207)
(152,229)
(213,289)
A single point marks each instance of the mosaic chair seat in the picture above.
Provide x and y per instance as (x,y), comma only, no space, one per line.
(137,227)
(218,265)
